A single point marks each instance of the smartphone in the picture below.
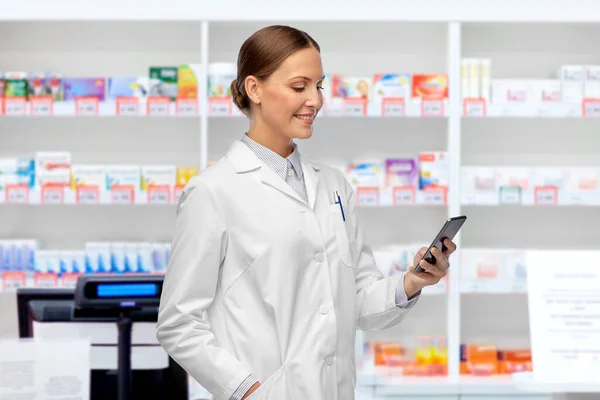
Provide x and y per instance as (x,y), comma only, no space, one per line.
(448,231)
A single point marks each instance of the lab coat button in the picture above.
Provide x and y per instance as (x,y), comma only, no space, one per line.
(329,360)
(324,309)
(319,257)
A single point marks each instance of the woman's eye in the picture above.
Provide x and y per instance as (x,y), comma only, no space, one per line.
(298,89)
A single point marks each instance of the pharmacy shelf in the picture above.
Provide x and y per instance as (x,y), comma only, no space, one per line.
(527,382)
(366,197)
(476,109)
(160,107)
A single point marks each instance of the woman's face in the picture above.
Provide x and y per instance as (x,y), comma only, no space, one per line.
(291,97)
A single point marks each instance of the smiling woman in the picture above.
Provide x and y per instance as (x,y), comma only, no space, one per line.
(269,275)
(278,86)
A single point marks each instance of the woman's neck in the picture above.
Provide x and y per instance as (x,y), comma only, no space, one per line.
(277,143)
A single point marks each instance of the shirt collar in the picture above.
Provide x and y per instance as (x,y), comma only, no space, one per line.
(274,160)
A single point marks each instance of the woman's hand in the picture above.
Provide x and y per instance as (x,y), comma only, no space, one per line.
(432,273)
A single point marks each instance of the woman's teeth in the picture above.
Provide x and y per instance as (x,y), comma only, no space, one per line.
(305,117)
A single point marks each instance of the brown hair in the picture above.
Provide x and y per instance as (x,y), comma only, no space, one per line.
(262,53)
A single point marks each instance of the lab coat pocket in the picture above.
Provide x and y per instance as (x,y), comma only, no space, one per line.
(341,234)
(273,388)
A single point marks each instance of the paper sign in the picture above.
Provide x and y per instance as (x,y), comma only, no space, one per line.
(393,107)
(42,106)
(367,196)
(546,195)
(69,280)
(187,107)
(435,196)
(473,107)
(86,106)
(158,106)
(53,194)
(87,195)
(14,106)
(45,369)
(128,106)
(46,280)
(510,195)
(404,195)
(122,194)
(355,107)
(564,315)
(591,108)
(13,280)
(219,106)
(159,194)
(17,194)
(432,107)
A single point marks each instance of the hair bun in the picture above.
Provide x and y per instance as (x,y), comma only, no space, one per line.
(241,100)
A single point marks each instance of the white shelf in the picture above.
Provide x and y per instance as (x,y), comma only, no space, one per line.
(187,109)
(526,382)
(546,110)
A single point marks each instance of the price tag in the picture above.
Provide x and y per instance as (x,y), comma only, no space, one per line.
(432,108)
(47,280)
(591,108)
(17,194)
(42,106)
(53,194)
(474,107)
(88,195)
(355,107)
(86,106)
(158,106)
(219,106)
(404,195)
(187,107)
(159,194)
(14,106)
(13,280)
(128,106)
(122,194)
(178,192)
(367,197)
(510,195)
(393,107)
(546,195)
(435,196)
(69,280)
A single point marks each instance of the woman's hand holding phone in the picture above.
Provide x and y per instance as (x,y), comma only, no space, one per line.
(429,274)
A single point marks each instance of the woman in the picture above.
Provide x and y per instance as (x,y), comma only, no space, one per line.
(269,275)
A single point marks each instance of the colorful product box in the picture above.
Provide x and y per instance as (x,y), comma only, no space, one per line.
(53,168)
(16,84)
(84,87)
(429,86)
(391,86)
(97,257)
(158,175)
(366,174)
(72,262)
(17,171)
(434,170)
(168,81)
(89,176)
(184,174)
(357,88)
(401,172)
(123,175)
(127,87)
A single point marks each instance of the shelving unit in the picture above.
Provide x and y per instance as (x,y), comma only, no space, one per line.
(522,40)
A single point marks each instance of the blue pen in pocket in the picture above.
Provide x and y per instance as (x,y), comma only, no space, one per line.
(339,201)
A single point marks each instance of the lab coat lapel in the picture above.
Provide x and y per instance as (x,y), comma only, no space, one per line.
(270,177)
(244,160)
(311,181)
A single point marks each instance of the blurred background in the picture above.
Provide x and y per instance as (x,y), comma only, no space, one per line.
(432,109)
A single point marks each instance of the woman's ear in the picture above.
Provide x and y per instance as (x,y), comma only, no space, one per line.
(252,86)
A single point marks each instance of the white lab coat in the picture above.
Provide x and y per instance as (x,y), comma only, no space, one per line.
(284,284)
